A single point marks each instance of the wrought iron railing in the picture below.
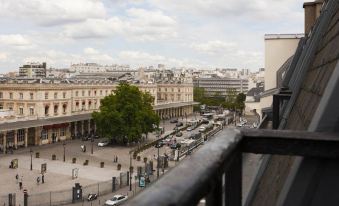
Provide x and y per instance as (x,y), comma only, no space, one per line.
(215,171)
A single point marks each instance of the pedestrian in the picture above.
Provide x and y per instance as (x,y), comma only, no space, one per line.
(20,185)
(43,179)
(38,180)
(116,159)
(17,178)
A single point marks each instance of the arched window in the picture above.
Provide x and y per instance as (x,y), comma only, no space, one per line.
(46,110)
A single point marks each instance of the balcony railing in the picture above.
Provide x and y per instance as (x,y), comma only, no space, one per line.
(215,171)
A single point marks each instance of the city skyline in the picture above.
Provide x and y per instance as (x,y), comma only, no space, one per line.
(141,33)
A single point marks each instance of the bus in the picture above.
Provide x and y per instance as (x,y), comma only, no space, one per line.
(208,116)
(193,123)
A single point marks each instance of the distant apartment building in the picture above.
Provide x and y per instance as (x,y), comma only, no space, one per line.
(33,70)
(221,86)
(96,68)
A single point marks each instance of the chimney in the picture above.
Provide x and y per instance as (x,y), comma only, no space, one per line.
(312,12)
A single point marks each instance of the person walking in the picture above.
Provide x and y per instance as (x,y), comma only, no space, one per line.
(17,178)
(43,179)
(20,184)
(38,180)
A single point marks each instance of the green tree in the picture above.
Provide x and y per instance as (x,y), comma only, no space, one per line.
(198,94)
(240,101)
(126,115)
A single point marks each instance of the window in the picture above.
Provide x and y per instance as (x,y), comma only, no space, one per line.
(55,109)
(55,95)
(100,92)
(44,134)
(1,106)
(21,135)
(46,110)
(21,111)
(76,93)
(106,92)
(83,105)
(31,111)
(63,131)
(1,95)
(83,93)
(64,108)
(64,95)
(46,95)
(31,95)
(89,93)
(55,132)
(21,95)
(95,93)
(11,95)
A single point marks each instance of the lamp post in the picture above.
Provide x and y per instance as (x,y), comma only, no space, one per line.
(158,155)
(31,151)
(92,140)
(64,144)
(130,172)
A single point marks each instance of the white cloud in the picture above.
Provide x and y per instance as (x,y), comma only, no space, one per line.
(53,12)
(14,40)
(94,55)
(214,47)
(149,25)
(257,9)
(94,28)
(91,51)
(139,24)
(3,56)
(138,58)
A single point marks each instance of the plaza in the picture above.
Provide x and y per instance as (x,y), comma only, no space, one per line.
(59,173)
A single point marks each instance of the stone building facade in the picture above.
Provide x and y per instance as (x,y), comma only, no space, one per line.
(35,112)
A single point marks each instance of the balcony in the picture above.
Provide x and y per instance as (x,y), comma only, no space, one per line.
(215,171)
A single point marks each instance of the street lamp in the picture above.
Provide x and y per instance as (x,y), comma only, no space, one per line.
(31,151)
(64,144)
(92,140)
(158,155)
(130,172)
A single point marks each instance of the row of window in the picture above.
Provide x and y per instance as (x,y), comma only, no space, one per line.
(89,93)
(31,95)
(172,89)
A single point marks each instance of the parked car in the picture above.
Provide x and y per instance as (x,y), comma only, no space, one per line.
(190,128)
(103,143)
(92,197)
(205,121)
(178,134)
(159,144)
(179,124)
(116,200)
(174,121)
(202,129)
(175,146)
(166,141)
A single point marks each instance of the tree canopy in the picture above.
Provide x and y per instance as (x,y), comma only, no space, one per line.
(127,114)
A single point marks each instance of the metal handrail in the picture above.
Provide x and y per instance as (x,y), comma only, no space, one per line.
(202,174)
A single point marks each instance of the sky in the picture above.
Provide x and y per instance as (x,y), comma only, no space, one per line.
(178,33)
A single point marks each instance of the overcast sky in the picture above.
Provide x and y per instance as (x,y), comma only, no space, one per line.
(200,33)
